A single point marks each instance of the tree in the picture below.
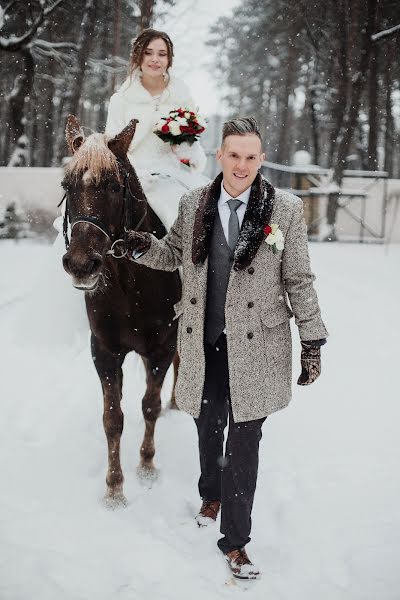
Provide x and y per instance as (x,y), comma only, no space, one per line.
(27,19)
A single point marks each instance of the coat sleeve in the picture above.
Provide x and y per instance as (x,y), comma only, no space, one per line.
(298,279)
(166,254)
(115,116)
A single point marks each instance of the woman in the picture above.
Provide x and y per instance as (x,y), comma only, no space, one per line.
(149,93)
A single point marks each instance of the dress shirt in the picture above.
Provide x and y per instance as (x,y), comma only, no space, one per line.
(224,210)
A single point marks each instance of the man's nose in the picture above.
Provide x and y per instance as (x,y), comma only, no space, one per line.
(241,164)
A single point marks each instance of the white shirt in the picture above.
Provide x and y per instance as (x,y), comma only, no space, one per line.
(224,210)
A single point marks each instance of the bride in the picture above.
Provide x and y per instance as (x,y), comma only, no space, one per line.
(149,93)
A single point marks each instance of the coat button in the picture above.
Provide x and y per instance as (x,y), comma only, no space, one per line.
(193,300)
(250,305)
(250,335)
(250,270)
(189,329)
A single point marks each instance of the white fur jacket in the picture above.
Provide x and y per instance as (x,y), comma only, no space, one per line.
(147,151)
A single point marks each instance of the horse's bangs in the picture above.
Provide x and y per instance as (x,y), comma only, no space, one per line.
(94,157)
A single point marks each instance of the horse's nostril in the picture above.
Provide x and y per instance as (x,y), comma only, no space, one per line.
(96,263)
(66,263)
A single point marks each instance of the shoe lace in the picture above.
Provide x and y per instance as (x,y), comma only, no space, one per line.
(240,557)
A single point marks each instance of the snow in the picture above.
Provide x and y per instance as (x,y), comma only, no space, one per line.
(326,513)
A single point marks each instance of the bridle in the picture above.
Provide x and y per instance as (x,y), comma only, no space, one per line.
(95,222)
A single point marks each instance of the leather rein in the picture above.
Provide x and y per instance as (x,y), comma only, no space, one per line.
(95,222)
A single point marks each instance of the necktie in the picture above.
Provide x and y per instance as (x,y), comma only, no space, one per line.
(233,225)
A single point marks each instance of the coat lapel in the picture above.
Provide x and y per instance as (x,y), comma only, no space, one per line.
(258,214)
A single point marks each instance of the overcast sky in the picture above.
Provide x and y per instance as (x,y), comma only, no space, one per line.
(188,24)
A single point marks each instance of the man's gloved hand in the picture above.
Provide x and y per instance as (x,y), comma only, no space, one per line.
(138,243)
(310,363)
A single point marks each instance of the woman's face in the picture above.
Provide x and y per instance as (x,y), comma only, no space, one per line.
(155,58)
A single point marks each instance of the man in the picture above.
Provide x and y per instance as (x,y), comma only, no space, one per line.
(243,249)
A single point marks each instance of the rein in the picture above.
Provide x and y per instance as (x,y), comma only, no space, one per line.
(128,221)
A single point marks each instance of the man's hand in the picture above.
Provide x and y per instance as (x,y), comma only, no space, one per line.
(310,364)
(138,243)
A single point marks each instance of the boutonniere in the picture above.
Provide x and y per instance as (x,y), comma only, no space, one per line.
(274,237)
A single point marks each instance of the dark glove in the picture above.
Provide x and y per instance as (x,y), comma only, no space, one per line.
(138,243)
(310,364)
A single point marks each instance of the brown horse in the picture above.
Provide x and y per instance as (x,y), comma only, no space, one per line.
(130,307)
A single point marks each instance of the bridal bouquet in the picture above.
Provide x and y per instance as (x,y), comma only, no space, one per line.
(181,128)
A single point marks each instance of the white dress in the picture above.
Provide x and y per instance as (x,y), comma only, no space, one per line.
(55,313)
(164,178)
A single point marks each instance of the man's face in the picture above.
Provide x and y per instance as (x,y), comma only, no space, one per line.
(240,157)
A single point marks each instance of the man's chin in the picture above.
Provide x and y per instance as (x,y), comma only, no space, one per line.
(240,184)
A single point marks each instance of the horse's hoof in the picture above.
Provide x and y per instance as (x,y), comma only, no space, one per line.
(114,501)
(147,475)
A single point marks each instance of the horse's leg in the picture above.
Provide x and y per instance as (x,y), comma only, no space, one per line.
(172,402)
(151,407)
(109,369)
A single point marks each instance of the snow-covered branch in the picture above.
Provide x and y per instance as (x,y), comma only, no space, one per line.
(385,33)
(45,45)
(13,43)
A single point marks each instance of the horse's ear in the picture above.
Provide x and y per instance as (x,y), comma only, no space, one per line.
(74,134)
(120,143)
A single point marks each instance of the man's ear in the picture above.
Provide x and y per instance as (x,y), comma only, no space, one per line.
(119,144)
(219,154)
(74,134)
(262,157)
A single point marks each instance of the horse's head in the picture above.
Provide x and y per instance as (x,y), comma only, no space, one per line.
(97,183)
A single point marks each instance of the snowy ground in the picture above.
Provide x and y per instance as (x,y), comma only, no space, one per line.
(326,514)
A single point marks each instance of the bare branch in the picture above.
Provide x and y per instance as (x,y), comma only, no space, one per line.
(385,33)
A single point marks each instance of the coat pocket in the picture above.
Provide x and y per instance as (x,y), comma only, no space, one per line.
(276,333)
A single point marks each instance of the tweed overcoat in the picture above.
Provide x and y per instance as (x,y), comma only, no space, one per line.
(257,311)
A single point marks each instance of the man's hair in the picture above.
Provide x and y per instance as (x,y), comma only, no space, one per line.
(241,126)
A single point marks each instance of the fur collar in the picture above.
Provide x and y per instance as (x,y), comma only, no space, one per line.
(258,214)
(132,90)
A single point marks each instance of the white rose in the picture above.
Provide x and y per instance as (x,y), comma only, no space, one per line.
(280,245)
(270,239)
(187,114)
(174,128)
(181,121)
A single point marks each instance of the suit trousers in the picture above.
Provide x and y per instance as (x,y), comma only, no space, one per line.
(231,478)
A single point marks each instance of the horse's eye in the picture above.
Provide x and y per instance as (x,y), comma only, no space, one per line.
(115,188)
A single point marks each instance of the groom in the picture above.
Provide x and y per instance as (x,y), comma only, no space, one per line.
(243,250)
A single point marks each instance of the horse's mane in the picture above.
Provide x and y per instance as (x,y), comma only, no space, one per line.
(93,157)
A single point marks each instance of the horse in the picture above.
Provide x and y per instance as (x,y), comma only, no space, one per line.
(129,306)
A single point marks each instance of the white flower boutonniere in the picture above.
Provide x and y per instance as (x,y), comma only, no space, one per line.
(274,237)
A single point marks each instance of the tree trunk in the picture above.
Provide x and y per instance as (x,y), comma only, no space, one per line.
(283,153)
(21,91)
(373,119)
(75,79)
(146,13)
(343,84)
(389,125)
(350,120)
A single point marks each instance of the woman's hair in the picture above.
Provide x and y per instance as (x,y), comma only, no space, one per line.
(241,126)
(140,44)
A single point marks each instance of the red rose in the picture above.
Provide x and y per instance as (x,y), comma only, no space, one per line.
(267,229)
(165,129)
(183,128)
